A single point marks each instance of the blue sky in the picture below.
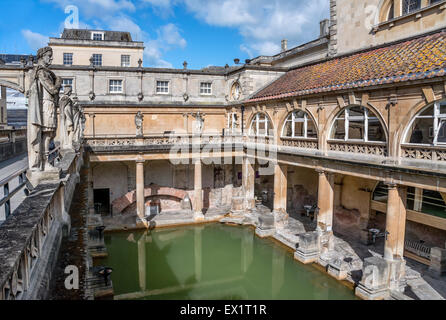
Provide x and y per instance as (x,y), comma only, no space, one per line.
(202,32)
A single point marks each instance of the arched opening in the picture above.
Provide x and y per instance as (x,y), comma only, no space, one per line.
(261,126)
(428,127)
(357,123)
(426,215)
(299,124)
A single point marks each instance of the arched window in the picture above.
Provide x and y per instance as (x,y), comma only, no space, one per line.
(299,125)
(260,125)
(429,126)
(357,123)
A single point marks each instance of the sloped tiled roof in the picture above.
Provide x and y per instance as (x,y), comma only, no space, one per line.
(418,58)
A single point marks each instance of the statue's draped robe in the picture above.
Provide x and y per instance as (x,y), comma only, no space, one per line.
(66,110)
(34,130)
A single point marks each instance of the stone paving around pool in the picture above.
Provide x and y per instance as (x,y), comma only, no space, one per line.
(344,261)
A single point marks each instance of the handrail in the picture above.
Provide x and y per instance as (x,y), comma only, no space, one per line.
(6,200)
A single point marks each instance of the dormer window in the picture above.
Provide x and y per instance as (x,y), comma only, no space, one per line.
(97,36)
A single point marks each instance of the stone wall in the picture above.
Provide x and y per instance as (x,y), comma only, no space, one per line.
(31,236)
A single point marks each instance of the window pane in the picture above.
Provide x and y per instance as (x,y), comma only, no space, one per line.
(375,132)
(428,112)
(311,129)
(356,112)
(339,129)
(442,133)
(299,114)
(411,5)
(298,129)
(421,131)
(443,108)
(287,131)
(356,130)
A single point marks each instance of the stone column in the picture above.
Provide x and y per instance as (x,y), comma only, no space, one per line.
(248,181)
(325,201)
(395,222)
(280,195)
(140,201)
(198,191)
(418,199)
(90,188)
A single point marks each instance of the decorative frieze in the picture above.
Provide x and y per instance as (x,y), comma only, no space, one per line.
(423,153)
(300,143)
(376,149)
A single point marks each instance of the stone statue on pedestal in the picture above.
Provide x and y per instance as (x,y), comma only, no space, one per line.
(66,117)
(139,118)
(42,118)
(78,121)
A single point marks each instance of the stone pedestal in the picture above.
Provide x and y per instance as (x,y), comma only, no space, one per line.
(309,248)
(37,177)
(380,276)
(438,261)
(374,284)
(280,219)
(237,206)
(266,226)
(338,268)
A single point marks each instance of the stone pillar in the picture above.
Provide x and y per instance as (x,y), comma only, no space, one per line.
(418,199)
(248,182)
(395,222)
(325,201)
(438,261)
(140,201)
(280,195)
(198,191)
(90,186)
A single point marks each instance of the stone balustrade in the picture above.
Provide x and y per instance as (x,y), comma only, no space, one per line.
(300,143)
(366,148)
(30,238)
(423,153)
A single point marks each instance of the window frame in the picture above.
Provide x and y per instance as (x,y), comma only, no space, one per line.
(93,33)
(71,55)
(210,88)
(347,118)
(294,120)
(408,8)
(157,87)
(437,119)
(257,121)
(110,86)
(63,86)
(129,60)
(97,55)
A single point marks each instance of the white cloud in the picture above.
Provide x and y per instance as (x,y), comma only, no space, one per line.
(35,40)
(262,23)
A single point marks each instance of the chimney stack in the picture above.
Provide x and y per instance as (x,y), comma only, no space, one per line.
(325,28)
(284,45)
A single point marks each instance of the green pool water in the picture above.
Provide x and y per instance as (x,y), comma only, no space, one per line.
(212,262)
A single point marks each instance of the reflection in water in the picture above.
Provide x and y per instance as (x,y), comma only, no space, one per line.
(211,262)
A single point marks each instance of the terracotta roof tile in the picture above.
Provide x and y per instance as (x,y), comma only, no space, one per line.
(419,58)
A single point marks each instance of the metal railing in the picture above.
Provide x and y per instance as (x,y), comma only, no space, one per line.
(8,194)
(418,248)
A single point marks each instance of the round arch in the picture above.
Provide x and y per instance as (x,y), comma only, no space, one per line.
(427,121)
(260,118)
(309,119)
(384,7)
(370,113)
